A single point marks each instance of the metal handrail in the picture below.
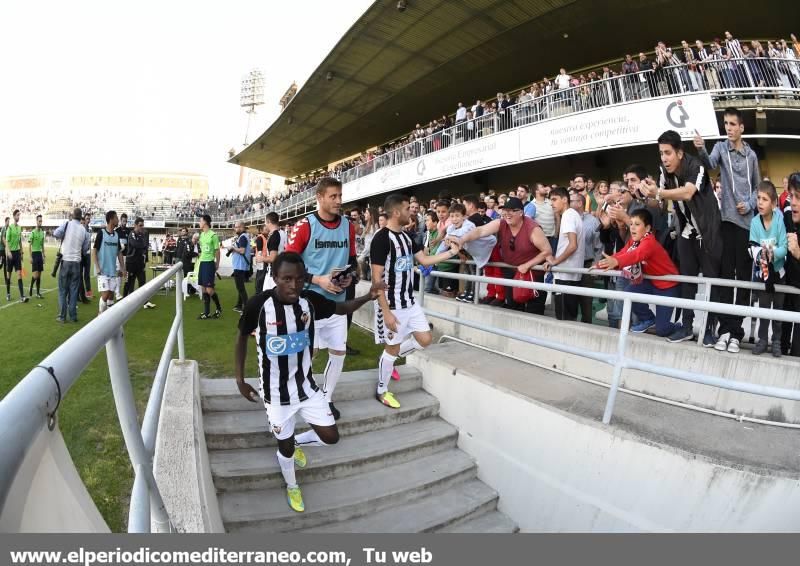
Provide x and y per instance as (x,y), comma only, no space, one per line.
(595,272)
(32,401)
(619,361)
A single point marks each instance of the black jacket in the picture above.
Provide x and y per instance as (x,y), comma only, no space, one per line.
(184,250)
(792,265)
(138,245)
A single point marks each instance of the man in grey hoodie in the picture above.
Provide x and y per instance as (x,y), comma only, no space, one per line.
(740,175)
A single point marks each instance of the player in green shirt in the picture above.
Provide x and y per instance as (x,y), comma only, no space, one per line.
(13,243)
(3,261)
(208,267)
(36,243)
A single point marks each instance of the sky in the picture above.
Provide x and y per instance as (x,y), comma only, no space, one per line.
(94,85)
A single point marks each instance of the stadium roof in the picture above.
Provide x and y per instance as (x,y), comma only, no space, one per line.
(393,69)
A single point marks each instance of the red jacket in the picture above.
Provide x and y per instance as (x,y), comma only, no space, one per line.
(653,258)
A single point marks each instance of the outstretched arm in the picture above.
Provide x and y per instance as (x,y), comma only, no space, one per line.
(427,260)
(375,292)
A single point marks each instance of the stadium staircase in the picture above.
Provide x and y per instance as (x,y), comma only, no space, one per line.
(392,470)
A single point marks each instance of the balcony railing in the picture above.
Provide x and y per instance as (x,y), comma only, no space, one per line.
(757,78)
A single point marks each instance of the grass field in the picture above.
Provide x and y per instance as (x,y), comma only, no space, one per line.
(87,416)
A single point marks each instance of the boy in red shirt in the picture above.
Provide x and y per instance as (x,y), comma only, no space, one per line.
(643,255)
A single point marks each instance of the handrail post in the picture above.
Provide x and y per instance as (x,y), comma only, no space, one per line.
(128,421)
(179,313)
(618,364)
(476,287)
(421,288)
(139,512)
(706,294)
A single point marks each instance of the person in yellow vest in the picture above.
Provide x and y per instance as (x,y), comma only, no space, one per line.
(36,244)
(13,245)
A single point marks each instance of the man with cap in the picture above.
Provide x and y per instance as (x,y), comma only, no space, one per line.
(522,244)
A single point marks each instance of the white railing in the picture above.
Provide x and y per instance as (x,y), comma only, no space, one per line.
(34,402)
(620,360)
(704,284)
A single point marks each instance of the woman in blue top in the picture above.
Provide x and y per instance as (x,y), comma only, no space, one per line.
(768,246)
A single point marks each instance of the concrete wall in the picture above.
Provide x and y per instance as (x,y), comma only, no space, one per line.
(560,472)
(745,367)
(181,465)
(48,495)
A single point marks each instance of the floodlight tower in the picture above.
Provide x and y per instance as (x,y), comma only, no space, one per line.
(252,95)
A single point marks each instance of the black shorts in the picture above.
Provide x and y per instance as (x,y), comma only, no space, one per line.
(15,262)
(205,278)
(37,261)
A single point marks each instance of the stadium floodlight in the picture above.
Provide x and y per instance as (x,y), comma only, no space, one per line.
(251,96)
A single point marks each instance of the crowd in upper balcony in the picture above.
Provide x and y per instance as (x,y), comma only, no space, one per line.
(718,64)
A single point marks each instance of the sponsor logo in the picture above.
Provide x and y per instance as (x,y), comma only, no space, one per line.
(276,429)
(330,244)
(276,345)
(390,335)
(287,344)
(677,108)
(404,263)
(421,167)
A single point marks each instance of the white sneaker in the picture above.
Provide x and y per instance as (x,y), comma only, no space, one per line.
(733,346)
(722,343)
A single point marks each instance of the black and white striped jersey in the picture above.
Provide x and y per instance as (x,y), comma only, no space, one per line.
(698,217)
(395,252)
(285,337)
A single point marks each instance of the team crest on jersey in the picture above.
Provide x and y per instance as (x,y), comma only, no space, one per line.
(276,429)
(304,318)
(390,335)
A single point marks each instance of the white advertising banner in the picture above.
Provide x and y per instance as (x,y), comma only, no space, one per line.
(476,155)
(154,223)
(635,123)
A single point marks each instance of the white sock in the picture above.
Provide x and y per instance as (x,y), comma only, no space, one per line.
(109,302)
(408,346)
(332,373)
(309,438)
(102,305)
(385,367)
(287,469)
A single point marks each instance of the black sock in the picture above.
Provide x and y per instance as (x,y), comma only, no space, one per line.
(30,291)
(39,286)
(8,286)
(206,303)
(21,287)
(216,300)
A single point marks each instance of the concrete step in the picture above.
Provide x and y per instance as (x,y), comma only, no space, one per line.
(219,395)
(435,510)
(492,522)
(343,499)
(248,429)
(257,468)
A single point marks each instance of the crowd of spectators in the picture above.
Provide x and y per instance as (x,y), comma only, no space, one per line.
(675,221)
(146,204)
(720,63)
